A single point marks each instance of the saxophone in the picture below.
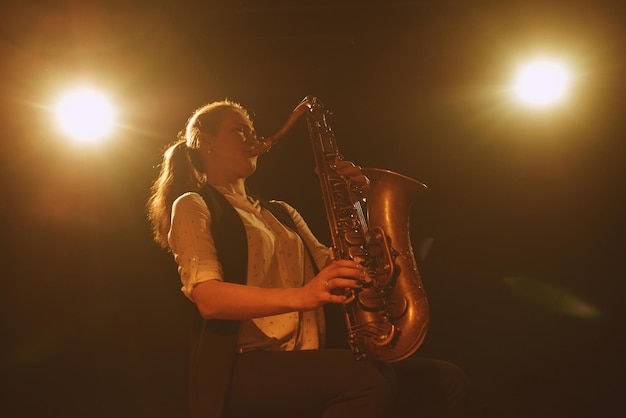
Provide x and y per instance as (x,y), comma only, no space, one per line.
(388,318)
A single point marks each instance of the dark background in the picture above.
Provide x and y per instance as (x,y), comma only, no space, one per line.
(524,219)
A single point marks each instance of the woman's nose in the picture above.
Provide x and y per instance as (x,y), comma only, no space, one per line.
(251,137)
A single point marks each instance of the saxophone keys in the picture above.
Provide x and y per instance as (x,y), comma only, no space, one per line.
(397,307)
(353,238)
(357,254)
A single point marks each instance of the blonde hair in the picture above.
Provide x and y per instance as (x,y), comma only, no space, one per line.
(181,169)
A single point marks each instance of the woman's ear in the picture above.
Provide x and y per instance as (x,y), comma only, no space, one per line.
(206,141)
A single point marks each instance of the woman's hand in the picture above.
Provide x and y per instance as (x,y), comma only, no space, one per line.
(359,183)
(222,300)
(330,285)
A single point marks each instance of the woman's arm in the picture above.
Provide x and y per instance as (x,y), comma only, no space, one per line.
(202,277)
(220,300)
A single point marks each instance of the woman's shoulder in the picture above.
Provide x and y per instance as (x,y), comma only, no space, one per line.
(189,201)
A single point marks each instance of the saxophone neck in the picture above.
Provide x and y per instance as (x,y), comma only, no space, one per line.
(308,104)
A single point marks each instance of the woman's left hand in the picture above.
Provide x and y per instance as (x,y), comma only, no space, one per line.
(359,183)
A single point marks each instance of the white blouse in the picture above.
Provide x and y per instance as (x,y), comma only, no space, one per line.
(276,258)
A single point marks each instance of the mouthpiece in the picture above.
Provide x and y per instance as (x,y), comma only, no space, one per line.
(262,146)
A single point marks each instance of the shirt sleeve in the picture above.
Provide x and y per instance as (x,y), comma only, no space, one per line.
(192,243)
(318,250)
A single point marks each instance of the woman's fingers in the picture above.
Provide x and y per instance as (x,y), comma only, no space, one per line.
(345,269)
(334,284)
(340,283)
(342,274)
(347,169)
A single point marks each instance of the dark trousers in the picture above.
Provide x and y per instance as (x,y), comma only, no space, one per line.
(330,383)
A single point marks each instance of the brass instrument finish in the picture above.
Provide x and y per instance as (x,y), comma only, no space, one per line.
(388,318)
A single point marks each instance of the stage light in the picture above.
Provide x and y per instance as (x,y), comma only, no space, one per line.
(542,83)
(85,115)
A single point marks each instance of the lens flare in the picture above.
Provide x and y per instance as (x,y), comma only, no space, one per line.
(542,83)
(85,115)
(551,297)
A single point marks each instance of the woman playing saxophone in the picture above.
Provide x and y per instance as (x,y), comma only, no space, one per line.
(260,281)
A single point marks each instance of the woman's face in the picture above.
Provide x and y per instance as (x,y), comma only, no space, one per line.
(231,149)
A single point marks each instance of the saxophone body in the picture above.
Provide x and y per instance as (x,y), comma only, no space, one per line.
(388,318)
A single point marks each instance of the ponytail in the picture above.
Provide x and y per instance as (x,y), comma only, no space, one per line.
(179,174)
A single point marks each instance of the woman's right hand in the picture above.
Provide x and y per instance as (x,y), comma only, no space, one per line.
(330,284)
(222,300)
